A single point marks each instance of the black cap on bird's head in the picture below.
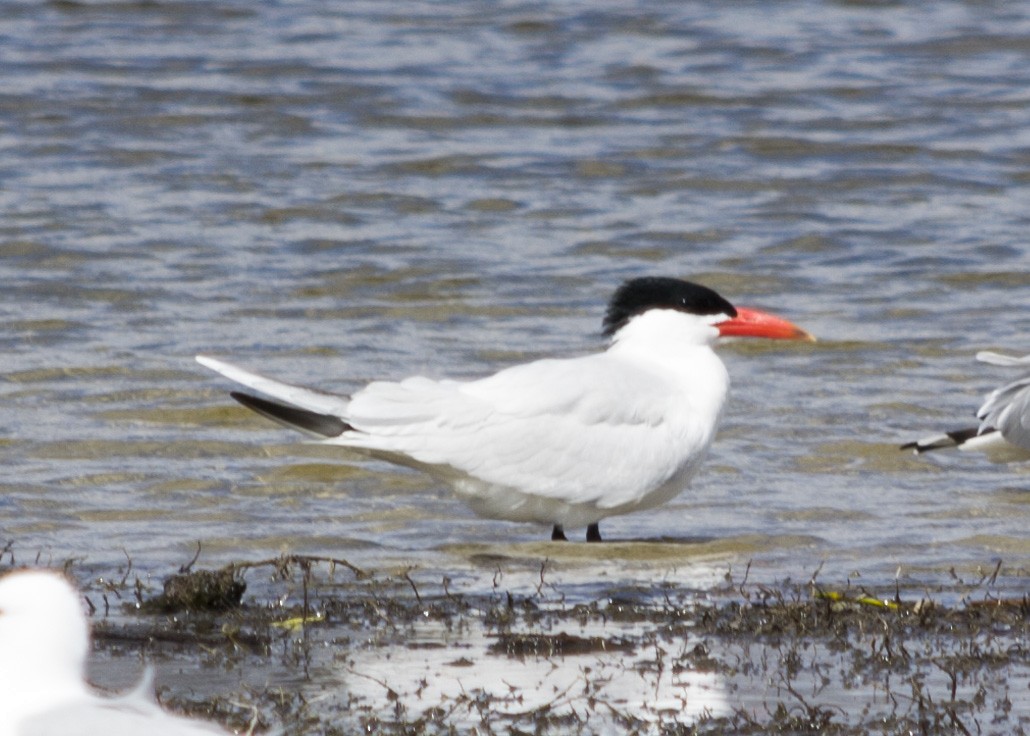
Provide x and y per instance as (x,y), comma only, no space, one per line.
(637,296)
(640,295)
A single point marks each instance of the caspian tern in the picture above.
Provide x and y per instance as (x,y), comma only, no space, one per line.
(563,442)
(44,640)
(1004,431)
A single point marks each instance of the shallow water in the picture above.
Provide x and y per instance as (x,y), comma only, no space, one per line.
(708,651)
(334,195)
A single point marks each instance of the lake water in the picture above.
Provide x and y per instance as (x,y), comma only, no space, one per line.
(334,193)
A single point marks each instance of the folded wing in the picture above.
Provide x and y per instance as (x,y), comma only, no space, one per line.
(1004,430)
(578,430)
(1007,408)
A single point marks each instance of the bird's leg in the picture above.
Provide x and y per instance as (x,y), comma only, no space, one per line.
(593,533)
(558,534)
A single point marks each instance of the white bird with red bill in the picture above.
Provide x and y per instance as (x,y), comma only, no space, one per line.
(1004,430)
(563,442)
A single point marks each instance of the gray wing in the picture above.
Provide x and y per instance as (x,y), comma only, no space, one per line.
(1004,431)
(572,430)
(1007,409)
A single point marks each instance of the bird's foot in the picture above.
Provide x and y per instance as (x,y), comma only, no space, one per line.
(594,533)
(558,534)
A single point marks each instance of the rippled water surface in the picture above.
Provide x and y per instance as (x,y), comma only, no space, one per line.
(334,193)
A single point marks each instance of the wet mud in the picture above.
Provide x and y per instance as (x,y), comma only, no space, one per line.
(319,646)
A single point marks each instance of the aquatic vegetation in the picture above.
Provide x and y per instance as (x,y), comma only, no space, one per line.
(331,649)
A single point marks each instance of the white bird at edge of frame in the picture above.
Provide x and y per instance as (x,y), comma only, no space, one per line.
(562,442)
(44,643)
(1004,430)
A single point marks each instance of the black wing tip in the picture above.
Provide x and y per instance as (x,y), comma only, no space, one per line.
(959,436)
(954,438)
(325,425)
(920,447)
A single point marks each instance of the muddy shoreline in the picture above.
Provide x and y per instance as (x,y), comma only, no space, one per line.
(305,645)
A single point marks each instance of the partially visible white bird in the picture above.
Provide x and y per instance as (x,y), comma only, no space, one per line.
(1004,431)
(559,442)
(44,641)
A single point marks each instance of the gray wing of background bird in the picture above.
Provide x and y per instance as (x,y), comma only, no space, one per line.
(1007,408)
